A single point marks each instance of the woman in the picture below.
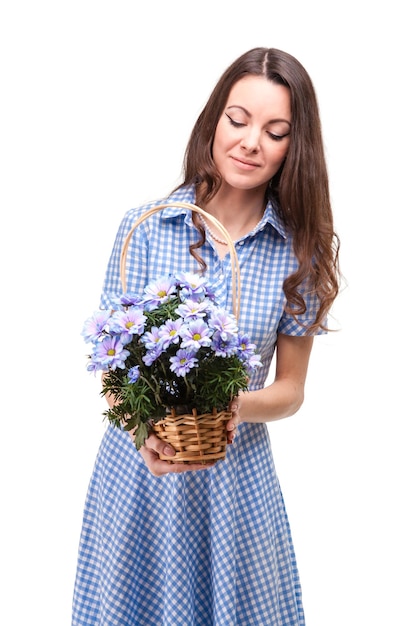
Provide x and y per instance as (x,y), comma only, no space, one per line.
(171,544)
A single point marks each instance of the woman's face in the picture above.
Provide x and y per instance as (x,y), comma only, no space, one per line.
(253,133)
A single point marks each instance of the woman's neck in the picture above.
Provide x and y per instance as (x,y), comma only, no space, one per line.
(238,210)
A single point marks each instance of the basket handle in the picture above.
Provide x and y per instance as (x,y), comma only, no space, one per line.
(213,221)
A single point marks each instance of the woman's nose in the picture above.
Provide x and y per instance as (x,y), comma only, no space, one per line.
(250,140)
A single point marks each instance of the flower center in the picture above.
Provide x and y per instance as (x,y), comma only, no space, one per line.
(196,336)
(111,352)
(162,293)
(129,324)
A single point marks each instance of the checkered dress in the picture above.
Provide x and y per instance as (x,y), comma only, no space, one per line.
(208,548)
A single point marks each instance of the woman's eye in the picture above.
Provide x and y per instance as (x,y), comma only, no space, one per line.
(275,137)
(233,122)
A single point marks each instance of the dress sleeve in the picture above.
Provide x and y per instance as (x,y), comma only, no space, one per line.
(299,326)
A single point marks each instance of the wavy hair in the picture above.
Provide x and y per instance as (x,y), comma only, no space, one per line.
(299,189)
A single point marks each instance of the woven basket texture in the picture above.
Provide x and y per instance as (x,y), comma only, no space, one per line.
(196,438)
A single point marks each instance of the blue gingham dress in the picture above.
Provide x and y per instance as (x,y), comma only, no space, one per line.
(208,548)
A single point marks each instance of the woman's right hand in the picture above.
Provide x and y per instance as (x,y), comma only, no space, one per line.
(151,450)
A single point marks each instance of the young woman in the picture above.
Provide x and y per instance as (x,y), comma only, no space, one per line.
(168,544)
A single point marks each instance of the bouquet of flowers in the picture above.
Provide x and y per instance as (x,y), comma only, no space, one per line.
(172,347)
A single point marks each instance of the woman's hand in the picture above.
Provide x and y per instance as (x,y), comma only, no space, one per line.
(150,452)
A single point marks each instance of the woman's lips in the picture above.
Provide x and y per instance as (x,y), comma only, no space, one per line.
(245,165)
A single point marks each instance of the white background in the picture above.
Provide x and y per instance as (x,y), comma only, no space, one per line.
(97,103)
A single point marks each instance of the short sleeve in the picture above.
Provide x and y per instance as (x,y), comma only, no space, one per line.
(300,326)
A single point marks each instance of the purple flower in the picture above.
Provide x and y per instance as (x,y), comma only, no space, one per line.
(223,322)
(193,286)
(159,292)
(94,326)
(128,299)
(151,355)
(130,322)
(169,332)
(210,293)
(110,353)
(245,348)
(192,310)
(93,366)
(183,362)
(151,338)
(196,335)
(133,374)
(252,363)
(224,347)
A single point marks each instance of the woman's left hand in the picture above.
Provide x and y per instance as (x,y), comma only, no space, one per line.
(234,421)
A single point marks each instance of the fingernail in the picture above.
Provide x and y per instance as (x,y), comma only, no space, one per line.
(169,451)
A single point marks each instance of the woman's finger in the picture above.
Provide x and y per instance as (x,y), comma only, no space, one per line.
(150,452)
(233,423)
(160,447)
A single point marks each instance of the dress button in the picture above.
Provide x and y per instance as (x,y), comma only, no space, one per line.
(241,243)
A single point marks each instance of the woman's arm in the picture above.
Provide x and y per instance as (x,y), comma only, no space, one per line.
(285,395)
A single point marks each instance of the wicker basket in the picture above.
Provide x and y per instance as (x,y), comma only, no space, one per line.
(196,438)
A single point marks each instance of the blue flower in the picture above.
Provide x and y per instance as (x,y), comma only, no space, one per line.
(110,353)
(93,366)
(192,309)
(252,363)
(128,299)
(130,322)
(195,335)
(245,348)
(223,322)
(193,286)
(94,326)
(183,362)
(169,332)
(151,338)
(224,347)
(152,355)
(159,292)
(133,374)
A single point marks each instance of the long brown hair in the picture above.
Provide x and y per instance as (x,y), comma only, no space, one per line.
(300,188)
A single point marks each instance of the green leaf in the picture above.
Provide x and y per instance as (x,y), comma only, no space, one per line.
(140,435)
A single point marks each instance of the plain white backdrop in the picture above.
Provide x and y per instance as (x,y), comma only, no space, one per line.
(97,103)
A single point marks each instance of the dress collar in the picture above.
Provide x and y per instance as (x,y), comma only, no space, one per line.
(187,194)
